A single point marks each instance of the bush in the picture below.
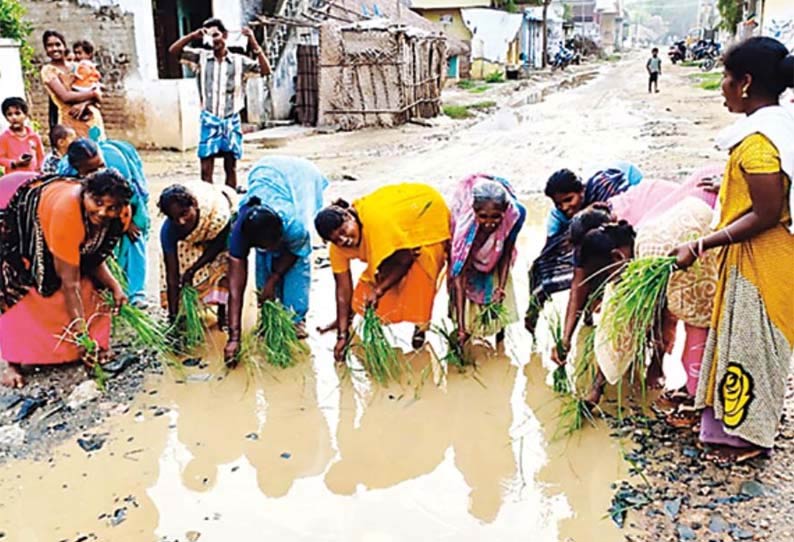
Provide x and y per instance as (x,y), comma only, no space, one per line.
(457,112)
(495,77)
(482,105)
(466,84)
(14,26)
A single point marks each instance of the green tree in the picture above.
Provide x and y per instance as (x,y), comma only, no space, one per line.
(732,12)
(14,26)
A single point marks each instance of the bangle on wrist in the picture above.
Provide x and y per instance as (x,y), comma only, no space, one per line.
(234,335)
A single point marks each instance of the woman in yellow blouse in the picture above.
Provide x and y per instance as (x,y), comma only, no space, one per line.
(401,231)
(746,363)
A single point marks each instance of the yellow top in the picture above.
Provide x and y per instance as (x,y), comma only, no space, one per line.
(395,217)
(755,155)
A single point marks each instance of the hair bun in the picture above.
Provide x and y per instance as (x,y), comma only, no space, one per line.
(342,204)
(254,201)
(787,70)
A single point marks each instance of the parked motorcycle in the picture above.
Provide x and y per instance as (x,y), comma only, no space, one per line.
(677,52)
(562,59)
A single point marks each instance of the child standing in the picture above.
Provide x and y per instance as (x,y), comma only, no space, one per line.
(20,146)
(60,138)
(654,67)
(221,82)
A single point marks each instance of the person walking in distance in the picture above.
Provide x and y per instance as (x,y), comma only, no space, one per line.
(221,82)
(654,67)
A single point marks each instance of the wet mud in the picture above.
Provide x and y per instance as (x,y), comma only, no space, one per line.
(315,452)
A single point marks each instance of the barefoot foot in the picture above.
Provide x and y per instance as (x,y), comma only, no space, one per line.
(11,377)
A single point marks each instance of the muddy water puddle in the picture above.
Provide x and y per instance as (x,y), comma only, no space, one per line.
(314,453)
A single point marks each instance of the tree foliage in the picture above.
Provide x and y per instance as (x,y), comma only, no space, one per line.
(14,26)
(731,12)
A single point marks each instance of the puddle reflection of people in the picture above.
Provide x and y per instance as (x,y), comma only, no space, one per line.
(481,418)
(399,439)
(294,441)
(395,440)
(207,411)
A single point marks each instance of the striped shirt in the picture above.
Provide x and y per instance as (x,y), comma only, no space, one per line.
(220,83)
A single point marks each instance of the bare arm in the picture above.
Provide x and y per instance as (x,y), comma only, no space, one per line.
(176,47)
(238,276)
(215,247)
(71,97)
(171,261)
(768,198)
(264,64)
(392,270)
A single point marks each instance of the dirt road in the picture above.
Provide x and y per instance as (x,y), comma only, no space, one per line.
(312,454)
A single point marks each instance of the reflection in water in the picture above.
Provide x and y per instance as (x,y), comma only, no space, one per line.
(294,441)
(400,438)
(304,455)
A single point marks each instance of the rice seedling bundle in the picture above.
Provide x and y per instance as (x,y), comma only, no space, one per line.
(456,355)
(493,317)
(189,325)
(91,347)
(117,271)
(277,335)
(147,331)
(560,376)
(376,354)
(573,415)
(636,304)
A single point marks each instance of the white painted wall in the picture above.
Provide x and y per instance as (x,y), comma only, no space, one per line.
(11,81)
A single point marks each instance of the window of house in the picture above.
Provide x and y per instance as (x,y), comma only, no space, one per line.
(173,19)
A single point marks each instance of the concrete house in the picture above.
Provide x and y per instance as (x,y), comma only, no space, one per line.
(495,42)
(532,34)
(447,13)
(609,14)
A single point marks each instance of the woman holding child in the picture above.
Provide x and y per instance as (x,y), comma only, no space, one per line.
(77,109)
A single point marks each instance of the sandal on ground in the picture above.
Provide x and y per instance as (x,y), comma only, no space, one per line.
(418,340)
(725,456)
(300,331)
(670,399)
(683,418)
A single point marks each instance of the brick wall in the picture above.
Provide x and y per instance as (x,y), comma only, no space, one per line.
(112,33)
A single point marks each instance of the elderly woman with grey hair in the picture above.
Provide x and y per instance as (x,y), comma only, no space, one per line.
(486,219)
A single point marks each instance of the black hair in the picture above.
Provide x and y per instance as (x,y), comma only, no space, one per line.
(598,243)
(261,226)
(14,101)
(655,50)
(109,182)
(52,34)
(58,132)
(767,61)
(584,222)
(214,22)
(331,218)
(85,45)
(81,150)
(176,193)
(563,182)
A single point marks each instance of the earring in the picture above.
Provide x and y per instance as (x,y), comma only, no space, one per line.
(745,95)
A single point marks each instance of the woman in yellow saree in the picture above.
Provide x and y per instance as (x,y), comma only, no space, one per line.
(748,352)
(402,232)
